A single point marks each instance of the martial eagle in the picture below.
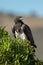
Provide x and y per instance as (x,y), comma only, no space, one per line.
(23,31)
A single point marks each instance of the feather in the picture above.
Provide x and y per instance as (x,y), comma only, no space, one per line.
(28,34)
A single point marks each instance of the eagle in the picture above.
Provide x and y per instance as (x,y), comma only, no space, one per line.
(22,30)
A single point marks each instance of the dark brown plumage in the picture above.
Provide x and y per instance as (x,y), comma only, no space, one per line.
(20,26)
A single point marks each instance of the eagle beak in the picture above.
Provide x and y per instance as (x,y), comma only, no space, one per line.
(21,18)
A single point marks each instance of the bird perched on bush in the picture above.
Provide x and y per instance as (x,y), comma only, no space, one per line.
(22,30)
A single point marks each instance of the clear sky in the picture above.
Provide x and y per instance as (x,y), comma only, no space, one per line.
(22,6)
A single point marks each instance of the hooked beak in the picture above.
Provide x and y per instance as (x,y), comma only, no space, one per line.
(21,18)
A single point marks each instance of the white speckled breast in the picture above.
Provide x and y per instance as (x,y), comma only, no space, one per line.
(20,35)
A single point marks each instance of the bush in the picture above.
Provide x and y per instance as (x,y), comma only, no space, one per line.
(16,52)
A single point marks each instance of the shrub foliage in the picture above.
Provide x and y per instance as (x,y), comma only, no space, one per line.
(16,52)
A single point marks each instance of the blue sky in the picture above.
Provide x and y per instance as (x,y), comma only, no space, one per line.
(22,6)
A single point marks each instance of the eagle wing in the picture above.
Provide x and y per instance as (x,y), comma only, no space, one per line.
(28,34)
